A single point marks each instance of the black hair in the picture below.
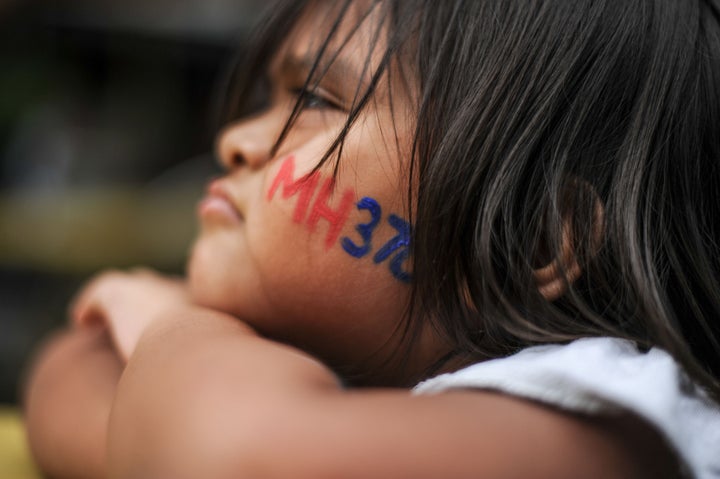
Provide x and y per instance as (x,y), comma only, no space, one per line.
(535,116)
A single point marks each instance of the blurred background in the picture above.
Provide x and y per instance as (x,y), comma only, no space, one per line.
(106,128)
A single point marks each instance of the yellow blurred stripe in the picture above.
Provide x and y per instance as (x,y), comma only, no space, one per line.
(80,231)
(15,461)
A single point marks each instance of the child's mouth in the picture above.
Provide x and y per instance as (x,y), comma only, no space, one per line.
(218,204)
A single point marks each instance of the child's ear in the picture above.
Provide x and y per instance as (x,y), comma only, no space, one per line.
(553,279)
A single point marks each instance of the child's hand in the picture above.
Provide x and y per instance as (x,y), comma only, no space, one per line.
(127,302)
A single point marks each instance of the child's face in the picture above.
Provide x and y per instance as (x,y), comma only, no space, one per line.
(323,269)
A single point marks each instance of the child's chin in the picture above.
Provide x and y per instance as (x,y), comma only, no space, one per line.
(203,294)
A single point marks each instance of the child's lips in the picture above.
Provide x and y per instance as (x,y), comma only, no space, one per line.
(218,203)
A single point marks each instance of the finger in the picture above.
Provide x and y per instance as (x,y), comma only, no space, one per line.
(90,317)
(143,271)
(80,306)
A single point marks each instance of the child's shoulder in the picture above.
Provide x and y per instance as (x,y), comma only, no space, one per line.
(605,377)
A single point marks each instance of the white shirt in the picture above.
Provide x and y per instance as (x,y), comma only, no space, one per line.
(605,375)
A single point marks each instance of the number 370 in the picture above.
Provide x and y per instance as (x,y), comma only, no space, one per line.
(398,247)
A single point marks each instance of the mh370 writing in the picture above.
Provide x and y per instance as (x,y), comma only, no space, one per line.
(396,251)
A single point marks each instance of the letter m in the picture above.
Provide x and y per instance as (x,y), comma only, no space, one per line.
(304,187)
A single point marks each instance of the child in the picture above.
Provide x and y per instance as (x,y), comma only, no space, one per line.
(509,205)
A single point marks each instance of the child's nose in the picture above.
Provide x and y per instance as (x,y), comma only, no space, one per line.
(246,143)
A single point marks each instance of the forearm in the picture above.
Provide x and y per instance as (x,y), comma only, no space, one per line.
(196,395)
(203,396)
(67,403)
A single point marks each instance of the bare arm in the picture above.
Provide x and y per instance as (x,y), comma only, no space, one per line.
(204,397)
(67,403)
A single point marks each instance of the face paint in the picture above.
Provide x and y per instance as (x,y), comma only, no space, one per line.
(290,187)
(399,244)
(336,217)
(365,230)
(398,247)
(321,209)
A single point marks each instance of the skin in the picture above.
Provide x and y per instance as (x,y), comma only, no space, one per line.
(67,403)
(227,373)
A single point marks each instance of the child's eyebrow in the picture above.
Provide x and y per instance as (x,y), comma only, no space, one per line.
(339,72)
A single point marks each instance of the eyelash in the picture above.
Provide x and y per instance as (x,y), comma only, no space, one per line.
(312,100)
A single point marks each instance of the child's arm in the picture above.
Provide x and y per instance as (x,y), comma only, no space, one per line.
(203,396)
(68,397)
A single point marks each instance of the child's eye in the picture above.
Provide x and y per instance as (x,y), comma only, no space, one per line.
(316,100)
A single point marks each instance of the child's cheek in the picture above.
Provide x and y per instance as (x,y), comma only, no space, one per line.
(325,212)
